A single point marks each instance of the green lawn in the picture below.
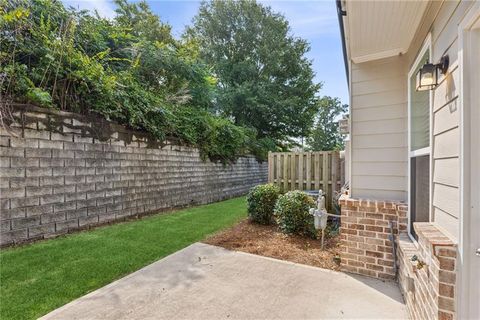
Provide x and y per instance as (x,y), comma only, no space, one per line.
(38,278)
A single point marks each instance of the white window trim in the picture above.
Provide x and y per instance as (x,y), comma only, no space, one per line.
(427,45)
(464,297)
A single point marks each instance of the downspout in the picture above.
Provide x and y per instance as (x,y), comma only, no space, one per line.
(341,13)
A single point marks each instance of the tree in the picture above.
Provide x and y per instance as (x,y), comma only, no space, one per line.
(264,79)
(325,135)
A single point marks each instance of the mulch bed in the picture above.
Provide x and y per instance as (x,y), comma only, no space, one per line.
(268,241)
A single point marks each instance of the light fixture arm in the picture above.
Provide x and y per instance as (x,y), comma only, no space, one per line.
(443,64)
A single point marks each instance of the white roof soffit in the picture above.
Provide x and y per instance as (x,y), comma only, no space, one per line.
(377,29)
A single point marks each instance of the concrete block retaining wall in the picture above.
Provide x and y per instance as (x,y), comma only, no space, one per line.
(60,172)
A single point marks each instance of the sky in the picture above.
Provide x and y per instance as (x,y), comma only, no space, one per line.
(315,21)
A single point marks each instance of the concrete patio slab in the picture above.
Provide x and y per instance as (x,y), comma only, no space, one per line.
(208,282)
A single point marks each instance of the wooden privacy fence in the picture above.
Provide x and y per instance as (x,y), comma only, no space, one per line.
(306,171)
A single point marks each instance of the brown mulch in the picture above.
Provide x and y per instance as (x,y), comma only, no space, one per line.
(268,241)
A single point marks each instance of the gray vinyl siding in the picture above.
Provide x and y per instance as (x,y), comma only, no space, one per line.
(379,130)
(379,120)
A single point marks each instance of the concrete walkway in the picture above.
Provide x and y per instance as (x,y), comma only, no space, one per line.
(207,282)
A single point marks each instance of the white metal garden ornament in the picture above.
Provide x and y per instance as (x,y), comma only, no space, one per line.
(320,214)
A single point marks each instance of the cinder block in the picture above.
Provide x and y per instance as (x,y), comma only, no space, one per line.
(61,137)
(82,139)
(23,182)
(13,236)
(24,202)
(103,171)
(88,220)
(84,155)
(73,146)
(104,201)
(12,173)
(74,180)
(4,162)
(39,210)
(86,187)
(95,194)
(63,171)
(69,154)
(75,196)
(24,162)
(38,153)
(38,172)
(75,214)
(5,225)
(36,134)
(64,189)
(52,162)
(52,217)
(54,198)
(86,203)
(66,225)
(51,181)
(93,147)
(25,222)
(12,152)
(84,171)
(48,144)
(38,191)
(106,217)
(57,207)
(94,178)
(41,230)
(23,143)
(74,162)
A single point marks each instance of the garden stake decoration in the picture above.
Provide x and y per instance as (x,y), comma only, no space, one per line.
(321,215)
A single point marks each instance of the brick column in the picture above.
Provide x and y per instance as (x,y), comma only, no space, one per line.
(365,235)
(429,291)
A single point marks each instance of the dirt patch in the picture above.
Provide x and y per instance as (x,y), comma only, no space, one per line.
(270,242)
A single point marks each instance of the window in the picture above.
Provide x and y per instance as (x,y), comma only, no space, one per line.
(419,145)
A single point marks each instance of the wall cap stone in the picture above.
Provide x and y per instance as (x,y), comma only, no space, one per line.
(345,200)
(433,235)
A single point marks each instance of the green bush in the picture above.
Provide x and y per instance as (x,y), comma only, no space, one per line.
(291,213)
(261,202)
(128,69)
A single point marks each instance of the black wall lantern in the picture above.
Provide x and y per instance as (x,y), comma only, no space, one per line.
(427,76)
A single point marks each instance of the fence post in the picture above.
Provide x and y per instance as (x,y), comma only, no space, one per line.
(293,176)
(279,169)
(308,171)
(285,171)
(325,173)
(300,170)
(270,167)
(335,162)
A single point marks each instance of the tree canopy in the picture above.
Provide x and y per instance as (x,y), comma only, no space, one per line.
(264,79)
(237,82)
(325,135)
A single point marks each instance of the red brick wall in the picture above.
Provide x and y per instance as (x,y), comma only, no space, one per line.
(431,293)
(365,235)
(367,249)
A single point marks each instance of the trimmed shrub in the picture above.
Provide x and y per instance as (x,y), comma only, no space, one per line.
(261,202)
(291,213)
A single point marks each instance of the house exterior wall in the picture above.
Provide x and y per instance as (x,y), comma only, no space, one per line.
(441,21)
(379,130)
(379,154)
(430,292)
